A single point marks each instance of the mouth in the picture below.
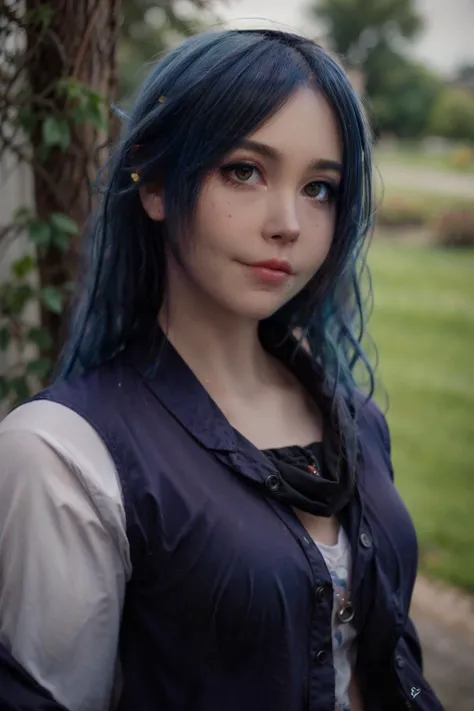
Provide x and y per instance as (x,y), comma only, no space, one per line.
(272,270)
(277,265)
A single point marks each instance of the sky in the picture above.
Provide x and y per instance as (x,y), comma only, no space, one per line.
(447,42)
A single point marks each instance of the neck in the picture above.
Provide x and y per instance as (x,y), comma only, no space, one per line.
(223,350)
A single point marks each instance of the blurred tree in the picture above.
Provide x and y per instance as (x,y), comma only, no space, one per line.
(357,27)
(149,27)
(70,56)
(373,36)
(402,96)
(453,115)
(465,74)
(57,75)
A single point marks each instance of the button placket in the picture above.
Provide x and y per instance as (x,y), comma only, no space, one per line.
(321,673)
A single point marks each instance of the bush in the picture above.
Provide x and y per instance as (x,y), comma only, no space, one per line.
(455,228)
(401,211)
(461,158)
(453,116)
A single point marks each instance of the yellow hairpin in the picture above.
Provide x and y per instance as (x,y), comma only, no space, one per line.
(162,99)
(135,177)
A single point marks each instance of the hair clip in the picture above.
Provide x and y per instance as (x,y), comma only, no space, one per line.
(135,176)
(118,112)
(162,99)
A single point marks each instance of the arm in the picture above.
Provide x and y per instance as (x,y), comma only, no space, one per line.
(18,690)
(62,568)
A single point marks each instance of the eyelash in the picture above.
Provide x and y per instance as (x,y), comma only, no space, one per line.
(228,169)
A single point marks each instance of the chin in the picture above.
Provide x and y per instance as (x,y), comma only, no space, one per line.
(257,309)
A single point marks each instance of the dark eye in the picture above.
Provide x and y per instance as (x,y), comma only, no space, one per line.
(243,172)
(320,191)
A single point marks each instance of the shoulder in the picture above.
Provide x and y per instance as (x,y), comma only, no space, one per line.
(107,382)
(106,397)
(373,435)
(47,448)
(371,420)
(43,424)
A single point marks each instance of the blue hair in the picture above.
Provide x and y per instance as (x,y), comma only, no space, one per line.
(219,87)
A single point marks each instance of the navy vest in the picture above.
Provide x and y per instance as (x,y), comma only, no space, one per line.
(229,604)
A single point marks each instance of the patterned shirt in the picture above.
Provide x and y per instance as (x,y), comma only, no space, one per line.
(338,562)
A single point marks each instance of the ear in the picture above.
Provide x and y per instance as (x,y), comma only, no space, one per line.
(152,198)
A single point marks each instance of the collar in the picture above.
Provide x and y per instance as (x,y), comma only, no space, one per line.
(172,381)
(169,378)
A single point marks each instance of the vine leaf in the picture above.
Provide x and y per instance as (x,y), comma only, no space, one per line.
(5,338)
(56,133)
(52,298)
(23,266)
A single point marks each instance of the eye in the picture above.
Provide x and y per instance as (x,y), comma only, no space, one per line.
(320,191)
(241,173)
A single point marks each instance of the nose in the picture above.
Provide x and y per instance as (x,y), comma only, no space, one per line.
(281,223)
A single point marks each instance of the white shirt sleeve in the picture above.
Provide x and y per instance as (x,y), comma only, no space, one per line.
(64,556)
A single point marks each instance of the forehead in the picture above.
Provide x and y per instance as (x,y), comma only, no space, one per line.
(305,128)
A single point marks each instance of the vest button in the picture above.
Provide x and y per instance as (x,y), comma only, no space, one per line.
(272,482)
(365,540)
(320,594)
(322,657)
(399,661)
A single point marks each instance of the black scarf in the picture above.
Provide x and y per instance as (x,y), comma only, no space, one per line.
(295,484)
(300,486)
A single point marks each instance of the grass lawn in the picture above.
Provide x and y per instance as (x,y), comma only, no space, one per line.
(412,156)
(430,204)
(423,325)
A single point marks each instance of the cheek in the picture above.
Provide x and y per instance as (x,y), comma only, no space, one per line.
(215,216)
(318,236)
(223,211)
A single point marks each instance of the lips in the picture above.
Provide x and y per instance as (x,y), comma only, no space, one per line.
(276,265)
(272,271)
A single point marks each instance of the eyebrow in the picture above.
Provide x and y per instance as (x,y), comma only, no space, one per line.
(274,154)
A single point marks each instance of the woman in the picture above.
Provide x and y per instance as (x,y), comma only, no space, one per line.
(199,513)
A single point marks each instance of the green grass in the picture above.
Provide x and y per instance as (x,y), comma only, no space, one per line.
(432,205)
(423,325)
(412,156)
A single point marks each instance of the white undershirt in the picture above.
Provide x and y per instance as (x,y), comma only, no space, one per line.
(63,536)
(338,563)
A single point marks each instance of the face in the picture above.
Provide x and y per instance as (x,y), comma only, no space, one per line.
(266,214)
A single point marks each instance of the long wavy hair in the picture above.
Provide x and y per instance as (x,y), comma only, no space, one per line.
(197,103)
